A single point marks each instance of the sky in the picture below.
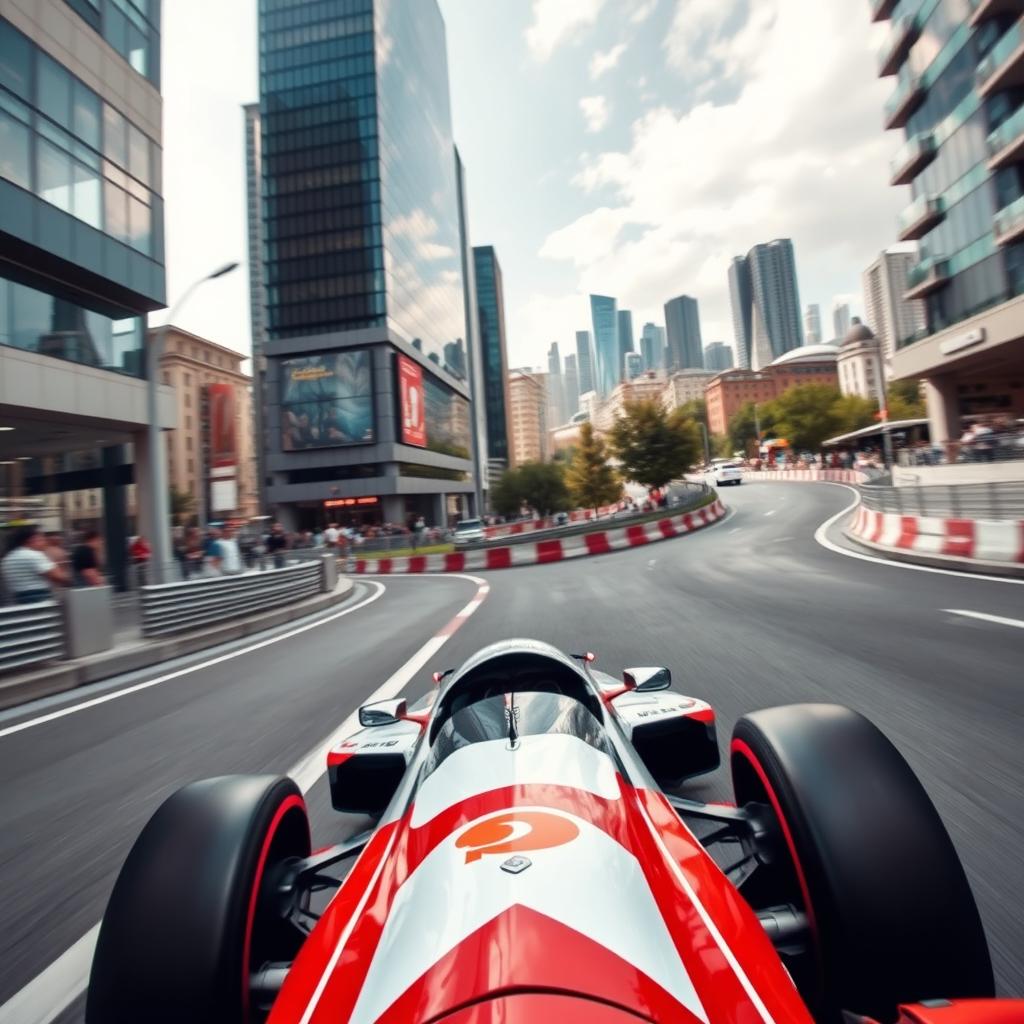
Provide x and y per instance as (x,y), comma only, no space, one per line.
(622,147)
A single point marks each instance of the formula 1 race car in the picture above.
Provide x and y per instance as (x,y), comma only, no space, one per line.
(530,861)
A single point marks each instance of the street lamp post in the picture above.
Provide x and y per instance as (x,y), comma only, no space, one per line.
(707,445)
(161,540)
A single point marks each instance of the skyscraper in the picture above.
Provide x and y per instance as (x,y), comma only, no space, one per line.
(556,391)
(955,72)
(765,303)
(490,297)
(528,402)
(572,387)
(604,315)
(632,365)
(894,318)
(682,324)
(585,361)
(812,324)
(364,267)
(718,356)
(652,346)
(840,319)
(625,333)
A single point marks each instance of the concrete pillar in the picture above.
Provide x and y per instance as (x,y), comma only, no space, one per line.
(440,511)
(393,508)
(329,579)
(943,408)
(88,621)
(115,518)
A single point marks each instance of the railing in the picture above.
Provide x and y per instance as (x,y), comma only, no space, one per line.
(897,44)
(916,152)
(921,211)
(898,106)
(1010,219)
(997,500)
(175,607)
(30,634)
(999,54)
(1009,131)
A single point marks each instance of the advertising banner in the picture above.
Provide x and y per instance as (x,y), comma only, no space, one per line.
(327,400)
(220,406)
(412,405)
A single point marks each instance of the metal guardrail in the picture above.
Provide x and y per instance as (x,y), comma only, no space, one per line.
(175,607)
(995,500)
(30,634)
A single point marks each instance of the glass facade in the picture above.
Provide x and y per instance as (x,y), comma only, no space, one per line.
(491,305)
(604,316)
(39,322)
(776,295)
(60,141)
(685,349)
(585,362)
(741,300)
(132,27)
(947,60)
(447,419)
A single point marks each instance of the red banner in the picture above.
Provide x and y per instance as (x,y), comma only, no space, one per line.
(221,416)
(410,390)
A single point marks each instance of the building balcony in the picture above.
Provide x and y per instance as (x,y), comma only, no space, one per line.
(1006,143)
(881,10)
(923,214)
(928,276)
(908,96)
(912,158)
(1004,66)
(1009,223)
(897,45)
(982,10)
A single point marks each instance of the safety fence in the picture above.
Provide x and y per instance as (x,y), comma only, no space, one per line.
(835,476)
(30,634)
(996,500)
(175,607)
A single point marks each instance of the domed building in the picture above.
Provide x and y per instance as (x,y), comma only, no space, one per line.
(861,367)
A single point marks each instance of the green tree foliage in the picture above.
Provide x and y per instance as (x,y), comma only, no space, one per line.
(543,488)
(655,448)
(722,446)
(904,400)
(591,481)
(695,409)
(182,504)
(806,415)
(854,412)
(506,495)
(742,429)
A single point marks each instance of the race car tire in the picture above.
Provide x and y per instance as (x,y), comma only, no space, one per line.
(890,910)
(188,919)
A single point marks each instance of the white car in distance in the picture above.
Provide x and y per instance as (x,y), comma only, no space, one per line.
(722,472)
(469,531)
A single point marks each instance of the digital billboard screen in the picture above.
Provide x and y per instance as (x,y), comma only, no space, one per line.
(327,400)
(411,404)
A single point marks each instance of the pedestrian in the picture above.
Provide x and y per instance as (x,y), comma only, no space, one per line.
(56,551)
(27,571)
(227,558)
(140,553)
(331,535)
(192,563)
(85,561)
(277,545)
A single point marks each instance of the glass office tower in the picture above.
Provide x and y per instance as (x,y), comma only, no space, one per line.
(957,72)
(368,396)
(585,361)
(490,297)
(685,349)
(604,316)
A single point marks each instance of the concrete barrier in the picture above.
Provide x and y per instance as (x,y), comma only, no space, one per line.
(597,542)
(835,476)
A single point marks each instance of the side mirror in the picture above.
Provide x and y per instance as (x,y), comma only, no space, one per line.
(647,679)
(383,712)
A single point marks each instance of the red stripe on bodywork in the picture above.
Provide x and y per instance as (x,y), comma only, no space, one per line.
(549,551)
(959,538)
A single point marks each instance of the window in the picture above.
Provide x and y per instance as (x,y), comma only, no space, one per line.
(115,136)
(15,61)
(86,115)
(14,151)
(86,195)
(53,175)
(116,220)
(138,154)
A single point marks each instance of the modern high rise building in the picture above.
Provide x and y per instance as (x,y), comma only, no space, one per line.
(956,72)
(626,341)
(528,405)
(490,294)
(81,262)
(572,387)
(556,390)
(841,319)
(812,324)
(889,314)
(685,350)
(632,365)
(608,363)
(652,346)
(585,362)
(718,356)
(765,303)
(367,311)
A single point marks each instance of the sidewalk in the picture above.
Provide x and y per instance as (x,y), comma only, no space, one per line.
(131,652)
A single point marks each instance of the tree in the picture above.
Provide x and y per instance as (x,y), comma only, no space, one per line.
(181,505)
(591,481)
(654,448)
(542,485)
(506,496)
(742,428)
(695,409)
(806,415)
(904,400)
(854,412)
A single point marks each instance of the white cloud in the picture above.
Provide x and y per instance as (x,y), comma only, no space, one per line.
(555,21)
(419,227)
(595,112)
(602,62)
(796,151)
(643,10)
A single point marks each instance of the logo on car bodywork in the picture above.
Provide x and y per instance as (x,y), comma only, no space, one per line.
(515,832)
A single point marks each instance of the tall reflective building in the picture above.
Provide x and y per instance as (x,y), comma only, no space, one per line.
(366,310)
(490,297)
(625,334)
(556,390)
(741,299)
(685,349)
(572,387)
(608,363)
(765,304)
(955,70)
(718,356)
(585,361)
(652,347)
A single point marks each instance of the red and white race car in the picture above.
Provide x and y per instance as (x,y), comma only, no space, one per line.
(529,862)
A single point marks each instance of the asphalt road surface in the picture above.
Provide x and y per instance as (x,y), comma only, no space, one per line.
(749,613)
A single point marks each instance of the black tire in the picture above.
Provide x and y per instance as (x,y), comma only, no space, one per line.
(184,926)
(892,914)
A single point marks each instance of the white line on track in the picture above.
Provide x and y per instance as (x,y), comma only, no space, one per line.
(771,512)
(821,536)
(999,620)
(56,987)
